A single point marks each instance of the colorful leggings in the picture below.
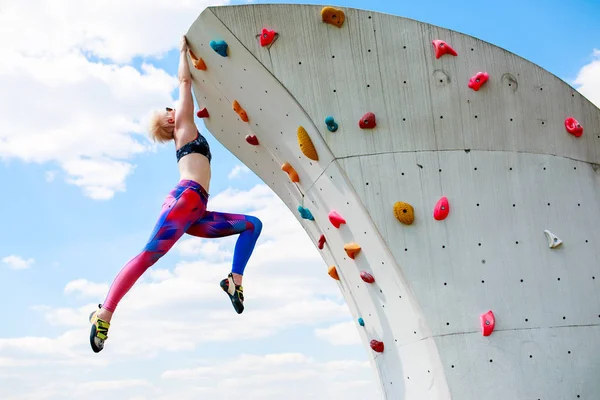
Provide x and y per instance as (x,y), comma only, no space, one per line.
(184,211)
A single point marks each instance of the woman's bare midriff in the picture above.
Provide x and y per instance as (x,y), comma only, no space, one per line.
(197,168)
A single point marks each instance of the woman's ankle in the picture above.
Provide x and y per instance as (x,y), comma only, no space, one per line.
(105,315)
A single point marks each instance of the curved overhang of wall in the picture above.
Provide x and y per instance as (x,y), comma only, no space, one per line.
(501,155)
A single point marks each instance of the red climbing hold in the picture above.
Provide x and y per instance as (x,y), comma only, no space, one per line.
(573,127)
(252,140)
(321,242)
(266,37)
(442,48)
(336,219)
(202,113)
(367,121)
(478,80)
(442,209)
(488,321)
(367,277)
(377,346)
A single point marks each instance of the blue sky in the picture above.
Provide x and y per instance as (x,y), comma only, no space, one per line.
(62,114)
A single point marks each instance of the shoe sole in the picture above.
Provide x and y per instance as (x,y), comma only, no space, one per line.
(238,307)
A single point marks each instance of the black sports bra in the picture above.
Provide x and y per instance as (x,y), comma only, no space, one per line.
(198,145)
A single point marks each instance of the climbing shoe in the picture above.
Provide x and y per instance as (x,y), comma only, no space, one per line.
(235,293)
(99,331)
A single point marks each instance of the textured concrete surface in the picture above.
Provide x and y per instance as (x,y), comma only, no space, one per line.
(501,155)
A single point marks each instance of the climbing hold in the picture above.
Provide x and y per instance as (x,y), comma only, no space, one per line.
(198,62)
(478,80)
(290,171)
(220,47)
(573,127)
(305,213)
(442,209)
(240,111)
(377,346)
(488,321)
(553,240)
(442,48)
(252,139)
(322,241)
(267,37)
(367,277)
(332,271)
(404,212)
(333,16)
(367,121)
(202,113)
(361,322)
(331,124)
(352,249)
(336,219)
(306,145)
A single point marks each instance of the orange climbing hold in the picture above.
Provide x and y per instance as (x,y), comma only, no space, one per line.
(240,111)
(332,271)
(306,145)
(198,62)
(404,212)
(287,167)
(352,249)
(336,219)
(333,16)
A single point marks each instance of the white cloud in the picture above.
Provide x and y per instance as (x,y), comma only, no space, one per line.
(63,106)
(286,286)
(17,262)
(238,170)
(342,334)
(587,81)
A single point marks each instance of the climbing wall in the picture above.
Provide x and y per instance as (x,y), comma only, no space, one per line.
(451,187)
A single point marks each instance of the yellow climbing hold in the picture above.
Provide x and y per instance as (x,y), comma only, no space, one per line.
(404,212)
(333,16)
(352,249)
(198,62)
(333,273)
(290,171)
(306,145)
(240,111)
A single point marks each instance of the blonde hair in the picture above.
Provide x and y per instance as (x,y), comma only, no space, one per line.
(158,125)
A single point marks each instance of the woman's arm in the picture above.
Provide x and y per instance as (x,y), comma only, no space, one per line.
(185,113)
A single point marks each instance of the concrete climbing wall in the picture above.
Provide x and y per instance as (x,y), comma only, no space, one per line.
(443,192)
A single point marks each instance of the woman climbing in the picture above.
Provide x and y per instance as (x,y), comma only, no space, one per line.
(183,211)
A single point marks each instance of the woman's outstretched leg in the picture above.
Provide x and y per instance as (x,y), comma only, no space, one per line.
(182,207)
(218,224)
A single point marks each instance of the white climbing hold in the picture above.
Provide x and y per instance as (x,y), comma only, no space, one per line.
(553,240)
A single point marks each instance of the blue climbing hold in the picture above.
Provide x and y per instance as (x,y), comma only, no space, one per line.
(220,47)
(331,124)
(305,213)
(361,322)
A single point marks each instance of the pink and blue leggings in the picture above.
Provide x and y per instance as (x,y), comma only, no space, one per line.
(184,211)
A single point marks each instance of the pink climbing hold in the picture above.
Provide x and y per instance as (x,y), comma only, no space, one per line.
(573,127)
(266,37)
(202,113)
(336,219)
(377,346)
(442,209)
(442,48)
(488,321)
(321,242)
(367,121)
(252,139)
(478,80)
(367,277)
